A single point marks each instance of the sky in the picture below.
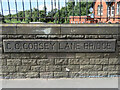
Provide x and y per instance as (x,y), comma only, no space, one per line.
(27,5)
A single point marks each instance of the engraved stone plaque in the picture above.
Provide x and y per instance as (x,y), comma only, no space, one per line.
(59,45)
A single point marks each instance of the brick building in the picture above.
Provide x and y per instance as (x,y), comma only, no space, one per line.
(103,12)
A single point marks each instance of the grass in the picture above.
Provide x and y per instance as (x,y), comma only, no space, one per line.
(14,21)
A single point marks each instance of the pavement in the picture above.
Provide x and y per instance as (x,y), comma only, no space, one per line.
(62,83)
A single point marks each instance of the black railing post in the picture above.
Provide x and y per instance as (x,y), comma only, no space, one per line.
(59,11)
(45,9)
(73,3)
(38,10)
(100,9)
(80,10)
(114,11)
(23,9)
(66,10)
(2,11)
(16,9)
(9,10)
(30,11)
(87,9)
(55,11)
(52,9)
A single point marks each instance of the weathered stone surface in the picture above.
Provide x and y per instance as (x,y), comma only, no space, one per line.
(41,36)
(60,61)
(71,68)
(46,75)
(111,73)
(80,55)
(74,61)
(8,30)
(110,55)
(109,67)
(5,56)
(45,61)
(66,63)
(99,61)
(114,61)
(29,62)
(90,67)
(55,68)
(7,69)
(94,55)
(89,30)
(79,61)
(38,30)
(32,75)
(76,45)
(3,62)
(38,68)
(20,56)
(103,73)
(14,62)
(61,55)
(61,75)
(23,68)
(38,55)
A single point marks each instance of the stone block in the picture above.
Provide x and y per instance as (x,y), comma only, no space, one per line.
(23,69)
(110,55)
(41,36)
(99,61)
(114,61)
(38,68)
(94,55)
(71,68)
(21,75)
(45,61)
(80,55)
(61,61)
(61,75)
(32,75)
(14,62)
(109,67)
(111,73)
(5,55)
(8,29)
(7,69)
(55,68)
(46,75)
(20,55)
(89,30)
(90,67)
(38,30)
(29,62)
(103,73)
(74,61)
(3,62)
(38,55)
(60,55)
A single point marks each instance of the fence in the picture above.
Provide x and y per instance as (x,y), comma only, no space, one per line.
(60,13)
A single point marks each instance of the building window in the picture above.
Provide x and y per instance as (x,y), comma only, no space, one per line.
(118,8)
(100,7)
(112,10)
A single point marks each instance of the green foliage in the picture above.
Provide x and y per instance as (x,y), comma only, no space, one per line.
(54,16)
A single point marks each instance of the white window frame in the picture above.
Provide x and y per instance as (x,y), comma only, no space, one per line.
(98,10)
(112,10)
(108,10)
(118,8)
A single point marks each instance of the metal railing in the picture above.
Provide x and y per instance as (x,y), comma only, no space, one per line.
(55,15)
